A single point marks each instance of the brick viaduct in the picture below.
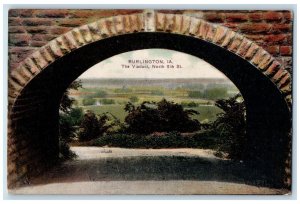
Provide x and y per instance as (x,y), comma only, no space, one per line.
(48,49)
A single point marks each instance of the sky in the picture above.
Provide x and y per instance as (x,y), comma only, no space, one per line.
(191,67)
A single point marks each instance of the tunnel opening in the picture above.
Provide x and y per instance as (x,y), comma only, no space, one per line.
(268,115)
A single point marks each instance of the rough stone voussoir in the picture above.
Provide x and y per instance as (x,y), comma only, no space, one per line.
(78,37)
(259,56)
(186,23)
(39,60)
(194,26)
(119,24)
(220,35)
(228,38)
(95,32)
(86,34)
(235,43)
(134,23)
(110,25)
(272,69)
(126,20)
(170,22)
(178,23)
(211,32)
(244,47)
(160,21)
(55,49)
(31,66)
(18,77)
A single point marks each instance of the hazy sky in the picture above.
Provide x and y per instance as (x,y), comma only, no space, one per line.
(192,67)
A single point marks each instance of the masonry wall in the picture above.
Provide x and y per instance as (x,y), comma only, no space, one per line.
(31,29)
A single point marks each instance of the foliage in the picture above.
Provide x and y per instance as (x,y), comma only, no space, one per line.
(189,104)
(133,99)
(231,126)
(162,116)
(100,94)
(211,93)
(68,118)
(88,101)
(66,101)
(107,101)
(156,140)
(93,126)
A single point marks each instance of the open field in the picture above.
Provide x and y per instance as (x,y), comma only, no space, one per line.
(112,95)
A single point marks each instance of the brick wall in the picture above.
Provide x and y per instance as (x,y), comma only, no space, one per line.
(31,29)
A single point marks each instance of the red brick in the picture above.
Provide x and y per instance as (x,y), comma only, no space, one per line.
(19,39)
(281,28)
(285,50)
(72,22)
(16,29)
(43,37)
(55,13)
(255,28)
(37,22)
(275,39)
(59,30)
(236,17)
(288,16)
(14,21)
(272,16)
(273,50)
(214,17)
(232,26)
(90,13)
(37,43)
(255,17)
(20,13)
(36,29)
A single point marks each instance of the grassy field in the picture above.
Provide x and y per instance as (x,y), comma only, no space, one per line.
(120,95)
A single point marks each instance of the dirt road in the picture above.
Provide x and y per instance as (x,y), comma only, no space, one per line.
(99,170)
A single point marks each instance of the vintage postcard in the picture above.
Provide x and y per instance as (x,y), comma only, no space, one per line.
(149,102)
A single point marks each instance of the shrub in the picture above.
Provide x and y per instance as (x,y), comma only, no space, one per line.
(162,116)
(163,140)
(99,94)
(107,101)
(89,127)
(88,101)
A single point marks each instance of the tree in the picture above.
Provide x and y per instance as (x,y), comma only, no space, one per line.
(231,126)
(68,118)
(89,127)
(162,116)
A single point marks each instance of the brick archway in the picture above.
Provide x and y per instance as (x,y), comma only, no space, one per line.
(35,87)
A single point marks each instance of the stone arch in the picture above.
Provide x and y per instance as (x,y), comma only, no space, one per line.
(34,91)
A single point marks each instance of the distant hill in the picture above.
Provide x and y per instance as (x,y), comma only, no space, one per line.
(168,83)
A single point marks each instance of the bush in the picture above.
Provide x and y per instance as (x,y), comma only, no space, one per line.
(162,116)
(99,94)
(89,127)
(190,104)
(107,101)
(162,140)
(88,101)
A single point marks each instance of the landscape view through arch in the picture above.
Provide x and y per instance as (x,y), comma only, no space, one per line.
(152,118)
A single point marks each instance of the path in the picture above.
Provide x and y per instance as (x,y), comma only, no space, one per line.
(99,170)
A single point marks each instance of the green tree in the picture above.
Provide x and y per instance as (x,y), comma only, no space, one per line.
(162,116)
(89,127)
(231,126)
(68,117)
